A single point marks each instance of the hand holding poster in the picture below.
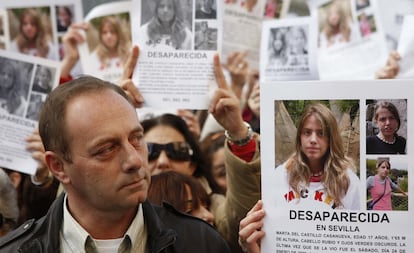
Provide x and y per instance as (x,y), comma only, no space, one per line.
(320,175)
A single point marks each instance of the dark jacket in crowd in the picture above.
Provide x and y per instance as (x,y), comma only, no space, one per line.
(168,231)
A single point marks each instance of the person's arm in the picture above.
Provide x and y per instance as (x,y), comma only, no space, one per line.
(250,230)
(243,177)
(370,182)
(238,68)
(70,41)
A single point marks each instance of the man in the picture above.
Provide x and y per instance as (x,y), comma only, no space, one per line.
(95,148)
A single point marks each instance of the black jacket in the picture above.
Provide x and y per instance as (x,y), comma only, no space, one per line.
(168,231)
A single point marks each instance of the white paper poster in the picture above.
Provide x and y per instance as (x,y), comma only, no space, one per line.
(50,20)
(352,44)
(289,50)
(175,66)
(24,85)
(343,128)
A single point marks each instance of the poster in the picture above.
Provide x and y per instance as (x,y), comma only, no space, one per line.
(49,20)
(24,85)
(351,43)
(242,26)
(175,66)
(313,217)
(108,40)
(289,50)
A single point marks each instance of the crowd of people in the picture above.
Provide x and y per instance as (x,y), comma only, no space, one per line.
(187,182)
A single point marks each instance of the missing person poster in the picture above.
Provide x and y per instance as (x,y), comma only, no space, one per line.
(41,23)
(25,82)
(337,171)
(289,50)
(108,40)
(352,43)
(177,44)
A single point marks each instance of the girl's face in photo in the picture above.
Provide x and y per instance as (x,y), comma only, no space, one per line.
(6,77)
(63,16)
(314,142)
(29,27)
(109,36)
(165,11)
(386,122)
(383,170)
(277,42)
(297,40)
(333,15)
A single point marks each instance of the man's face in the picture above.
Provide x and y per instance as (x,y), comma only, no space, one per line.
(109,168)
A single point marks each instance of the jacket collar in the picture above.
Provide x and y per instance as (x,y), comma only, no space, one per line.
(47,235)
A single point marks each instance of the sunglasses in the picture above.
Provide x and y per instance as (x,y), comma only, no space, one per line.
(179,151)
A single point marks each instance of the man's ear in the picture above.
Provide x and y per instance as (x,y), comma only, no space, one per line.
(55,163)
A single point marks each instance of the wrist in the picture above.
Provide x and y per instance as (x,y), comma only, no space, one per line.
(241,137)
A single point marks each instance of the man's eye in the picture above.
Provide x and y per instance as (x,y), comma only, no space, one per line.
(136,140)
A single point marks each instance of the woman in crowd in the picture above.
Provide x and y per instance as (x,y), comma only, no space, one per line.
(167,28)
(33,39)
(387,141)
(113,48)
(337,29)
(318,165)
(380,187)
(212,146)
(12,97)
(183,192)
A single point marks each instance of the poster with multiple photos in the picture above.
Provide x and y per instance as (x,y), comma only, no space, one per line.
(351,42)
(43,22)
(289,50)
(242,25)
(337,171)
(175,66)
(25,82)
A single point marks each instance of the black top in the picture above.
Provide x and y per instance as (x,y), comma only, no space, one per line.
(376,146)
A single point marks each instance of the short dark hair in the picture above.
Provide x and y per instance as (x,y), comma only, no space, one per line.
(52,122)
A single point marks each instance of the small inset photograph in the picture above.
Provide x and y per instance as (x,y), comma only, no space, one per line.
(35,104)
(386,126)
(273,9)
(360,4)
(206,9)
(43,80)
(367,24)
(387,184)
(205,36)
(64,17)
